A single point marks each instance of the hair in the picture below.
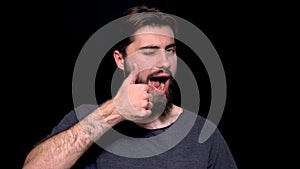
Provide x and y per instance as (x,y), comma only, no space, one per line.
(140,16)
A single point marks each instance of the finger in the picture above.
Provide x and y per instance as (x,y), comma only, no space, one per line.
(144,88)
(144,96)
(150,105)
(148,111)
(139,88)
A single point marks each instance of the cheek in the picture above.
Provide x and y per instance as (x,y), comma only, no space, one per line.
(147,66)
(142,62)
(173,66)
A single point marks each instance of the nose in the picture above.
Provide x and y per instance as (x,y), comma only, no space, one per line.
(163,61)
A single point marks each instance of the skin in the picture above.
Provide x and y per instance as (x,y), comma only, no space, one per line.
(132,102)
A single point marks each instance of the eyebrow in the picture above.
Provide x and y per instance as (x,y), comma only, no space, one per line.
(171,45)
(157,47)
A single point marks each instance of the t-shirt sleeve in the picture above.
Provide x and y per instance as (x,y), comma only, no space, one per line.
(221,156)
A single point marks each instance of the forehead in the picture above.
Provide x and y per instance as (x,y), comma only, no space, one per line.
(153,35)
(157,30)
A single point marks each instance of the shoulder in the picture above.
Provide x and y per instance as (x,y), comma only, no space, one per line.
(203,127)
(78,113)
(83,110)
(73,117)
(206,133)
(199,120)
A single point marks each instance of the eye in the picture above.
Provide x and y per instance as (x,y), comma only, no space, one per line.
(171,51)
(149,52)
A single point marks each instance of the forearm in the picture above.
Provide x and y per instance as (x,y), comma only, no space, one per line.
(65,148)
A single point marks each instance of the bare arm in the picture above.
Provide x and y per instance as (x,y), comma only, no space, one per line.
(65,148)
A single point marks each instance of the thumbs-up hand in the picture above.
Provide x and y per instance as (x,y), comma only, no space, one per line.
(132,100)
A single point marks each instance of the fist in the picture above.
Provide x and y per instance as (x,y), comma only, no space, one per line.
(132,100)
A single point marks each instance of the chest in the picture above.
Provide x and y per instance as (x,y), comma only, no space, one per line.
(184,155)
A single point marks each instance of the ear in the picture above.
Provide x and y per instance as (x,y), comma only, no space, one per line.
(119,59)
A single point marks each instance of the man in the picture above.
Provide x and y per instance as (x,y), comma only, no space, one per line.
(142,110)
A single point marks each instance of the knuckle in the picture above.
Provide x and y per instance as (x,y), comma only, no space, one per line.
(145,95)
(144,113)
(144,103)
(145,87)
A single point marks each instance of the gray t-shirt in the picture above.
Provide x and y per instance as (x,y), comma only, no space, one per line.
(175,146)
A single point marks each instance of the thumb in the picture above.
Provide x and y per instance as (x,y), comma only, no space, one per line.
(134,74)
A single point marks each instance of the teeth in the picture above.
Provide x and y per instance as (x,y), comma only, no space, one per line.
(162,85)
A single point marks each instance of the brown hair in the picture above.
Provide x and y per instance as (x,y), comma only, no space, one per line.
(140,16)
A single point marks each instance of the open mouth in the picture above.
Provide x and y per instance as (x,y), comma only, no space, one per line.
(159,82)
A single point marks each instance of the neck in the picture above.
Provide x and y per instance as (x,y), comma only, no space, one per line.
(164,120)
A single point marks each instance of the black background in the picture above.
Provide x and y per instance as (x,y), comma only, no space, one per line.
(43,40)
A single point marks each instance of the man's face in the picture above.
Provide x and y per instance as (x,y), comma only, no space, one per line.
(154,51)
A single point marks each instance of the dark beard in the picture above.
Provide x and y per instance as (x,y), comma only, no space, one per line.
(169,96)
(163,103)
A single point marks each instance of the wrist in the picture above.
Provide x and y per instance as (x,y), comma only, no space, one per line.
(110,113)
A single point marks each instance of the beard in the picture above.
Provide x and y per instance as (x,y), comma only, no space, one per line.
(162,104)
